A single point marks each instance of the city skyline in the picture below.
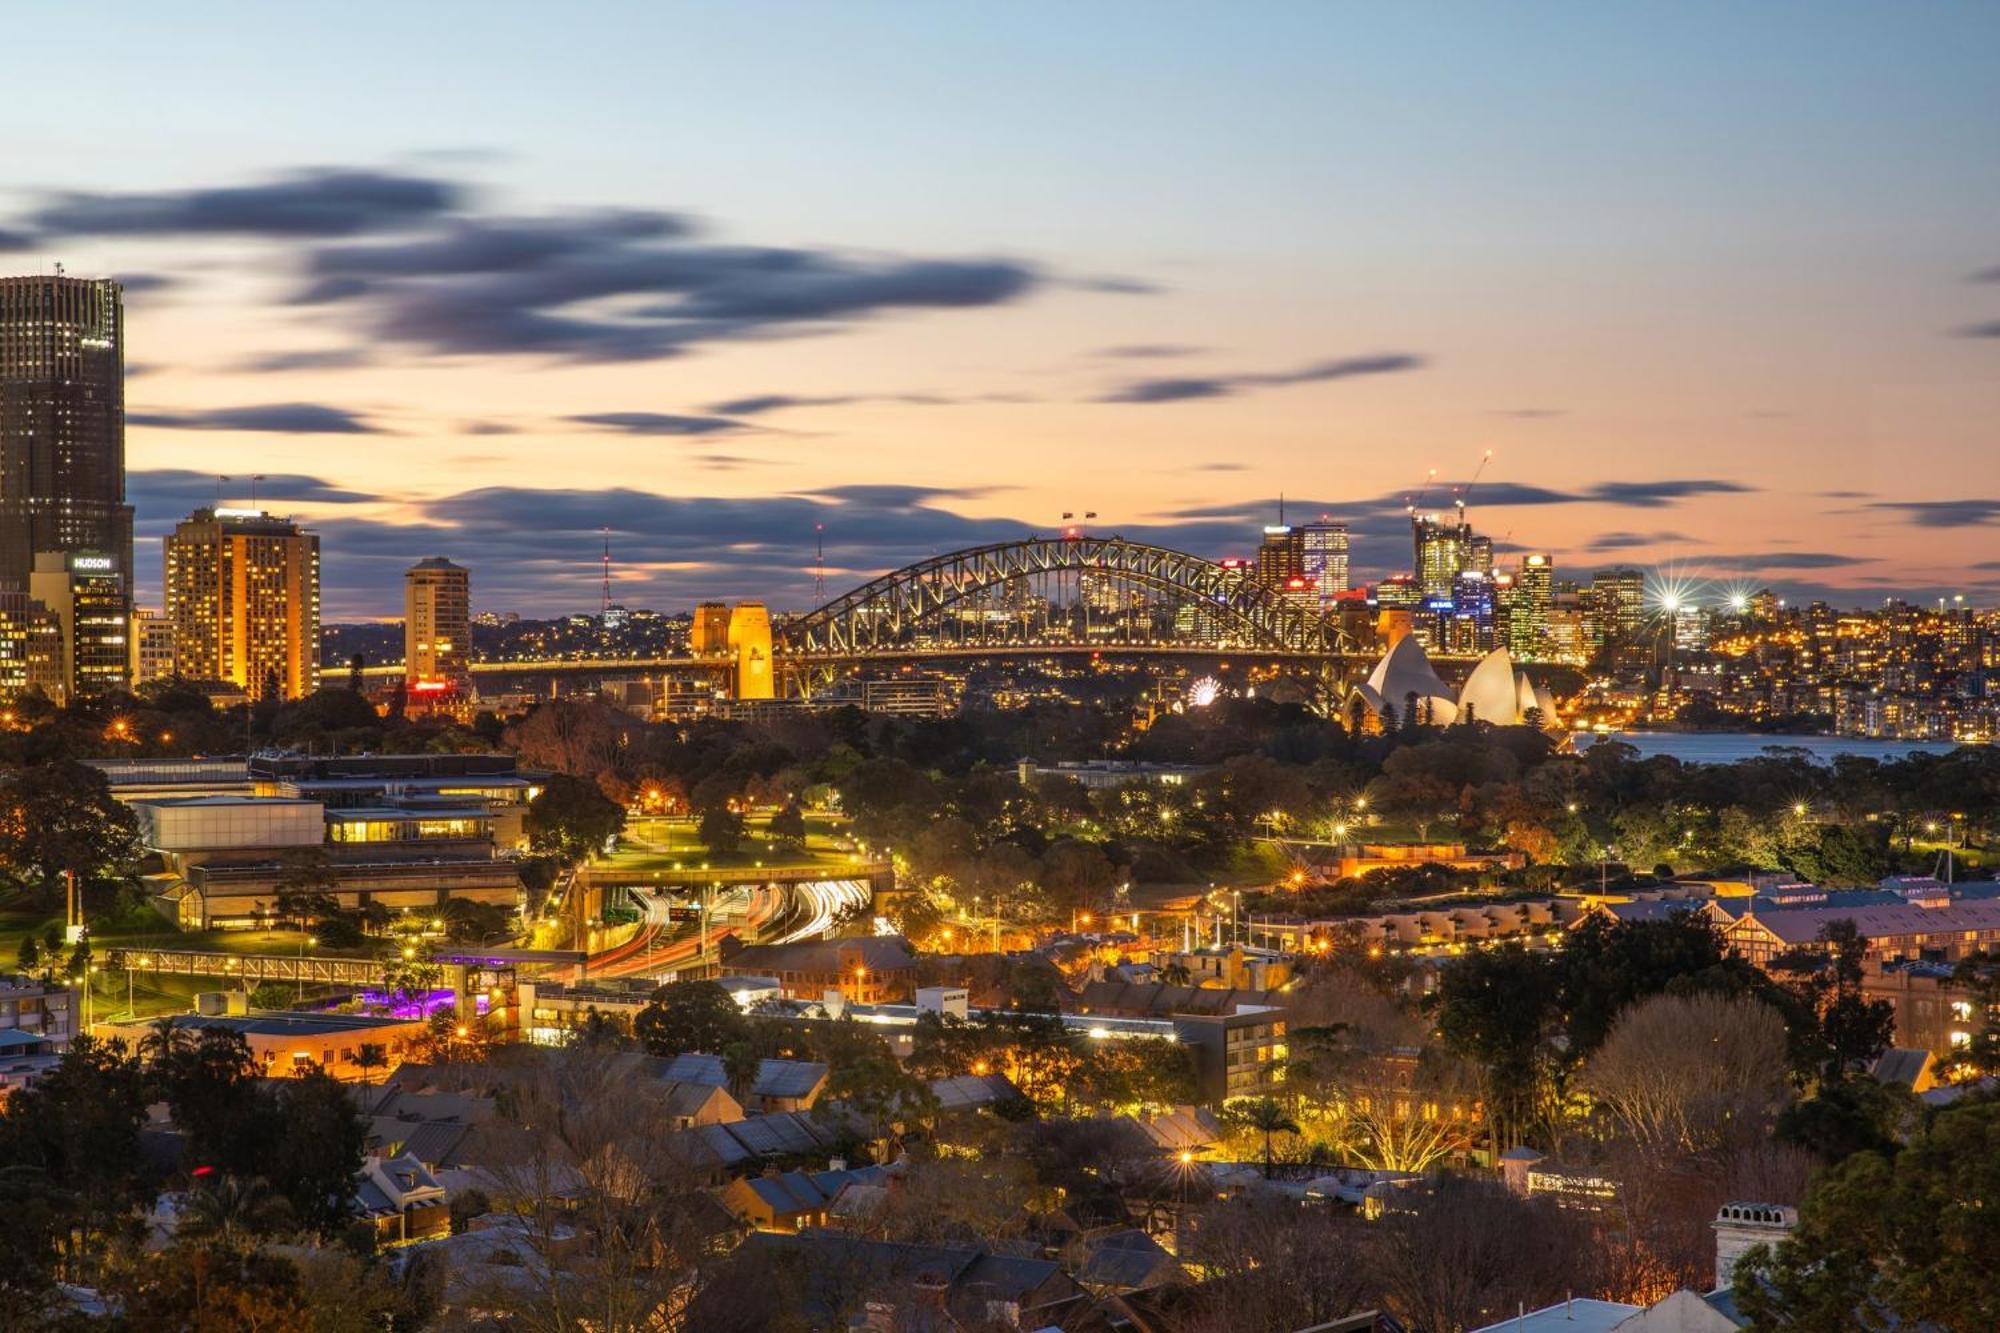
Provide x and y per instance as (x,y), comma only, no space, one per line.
(739,306)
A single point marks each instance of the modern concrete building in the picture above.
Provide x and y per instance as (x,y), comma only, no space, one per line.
(243,595)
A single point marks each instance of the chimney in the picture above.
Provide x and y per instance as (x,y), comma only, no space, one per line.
(1738,1226)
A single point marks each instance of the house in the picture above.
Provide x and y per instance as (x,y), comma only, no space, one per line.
(974,1092)
(795,1200)
(1942,931)
(690,1104)
(779,1085)
(836,1272)
(1126,1260)
(401,1200)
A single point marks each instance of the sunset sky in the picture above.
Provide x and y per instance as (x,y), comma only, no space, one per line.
(1719,285)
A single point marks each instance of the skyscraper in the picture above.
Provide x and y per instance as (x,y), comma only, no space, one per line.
(243,593)
(437,623)
(1618,600)
(62,423)
(1528,618)
(1323,557)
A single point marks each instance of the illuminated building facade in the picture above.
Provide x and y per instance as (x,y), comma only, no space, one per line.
(1528,611)
(31,656)
(152,642)
(437,623)
(86,594)
(1618,602)
(1323,558)
(1280,557)
(62,422)
(750,641)
(243,596)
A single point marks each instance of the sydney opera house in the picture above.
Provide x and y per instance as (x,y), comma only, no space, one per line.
(1403,681)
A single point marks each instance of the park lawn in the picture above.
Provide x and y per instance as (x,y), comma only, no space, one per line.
(657,844)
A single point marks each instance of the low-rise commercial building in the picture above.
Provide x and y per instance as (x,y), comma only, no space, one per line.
(287,1042)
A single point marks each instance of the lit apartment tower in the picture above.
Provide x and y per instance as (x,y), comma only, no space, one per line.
(1528,617)
(243,594)
(88,599)
(1618,600)
(1323,557)
(31,657)
(152,641)
(62,423)
(437,622)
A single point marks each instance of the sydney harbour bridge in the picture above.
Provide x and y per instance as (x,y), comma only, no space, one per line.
(1039,596)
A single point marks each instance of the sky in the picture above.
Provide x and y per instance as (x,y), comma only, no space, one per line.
(1717,285)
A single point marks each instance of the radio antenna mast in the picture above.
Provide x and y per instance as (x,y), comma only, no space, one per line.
(605,609)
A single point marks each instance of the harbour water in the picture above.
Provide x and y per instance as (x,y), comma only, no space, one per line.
(1726,747)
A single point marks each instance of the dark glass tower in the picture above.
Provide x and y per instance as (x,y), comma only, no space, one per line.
(62,423)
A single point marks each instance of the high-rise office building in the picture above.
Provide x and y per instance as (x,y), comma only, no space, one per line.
(437,623)
(87,596)
(1280,557)
(243,594)
(1528,614)
(1444,550)
(62,423)
(1618,601)
(1323,558)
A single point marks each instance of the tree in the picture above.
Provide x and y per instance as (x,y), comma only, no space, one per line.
(231,1212)
(370,1055)
(318,1147)
(689,1016)
(1268,1118)
(1682,1075)
(1497,1008)
(70,1143)
(306,881)
(30,955)
(720,830)
(1883,1241)
(788,826)
(572,818)
(60,816)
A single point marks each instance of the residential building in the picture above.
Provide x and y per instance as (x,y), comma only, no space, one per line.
(794,1200)
(243,594)
(62,422)
(37,1020)
(152,644)
(437,625)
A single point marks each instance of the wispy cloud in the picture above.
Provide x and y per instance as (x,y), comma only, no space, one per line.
(1180,388)
(657,423)
(316,203)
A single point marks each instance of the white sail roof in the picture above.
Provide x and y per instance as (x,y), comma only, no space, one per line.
(1490,692)
(1406,670)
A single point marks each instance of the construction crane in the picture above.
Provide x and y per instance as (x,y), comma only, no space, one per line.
(1416,501)
(1466,490)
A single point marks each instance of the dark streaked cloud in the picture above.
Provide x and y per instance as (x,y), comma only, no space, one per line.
(14,240)
(142,283)
(1149,351)
(1622,541)
(730,462)
(488,428)
(657,423)
(1990,329)
(757,404)
(1943,513)
(1789,560)
(315,358)
(270,418)
(1654,494)
(319,203)
(1985,275)
(1180,388)
(622,286)
(168,494)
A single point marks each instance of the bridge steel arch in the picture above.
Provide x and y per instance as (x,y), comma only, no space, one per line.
(875,617)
